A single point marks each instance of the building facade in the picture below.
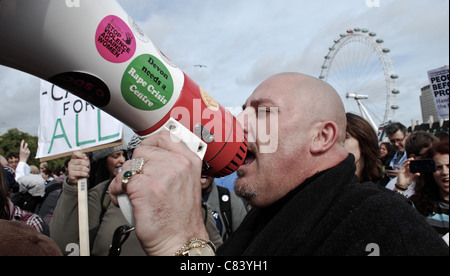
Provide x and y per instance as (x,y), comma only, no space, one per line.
(427,105)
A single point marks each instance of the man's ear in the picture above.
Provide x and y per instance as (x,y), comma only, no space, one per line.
(326,134)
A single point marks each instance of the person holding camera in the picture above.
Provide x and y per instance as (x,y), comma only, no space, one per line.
(416,145)
(397,134)
(431,197)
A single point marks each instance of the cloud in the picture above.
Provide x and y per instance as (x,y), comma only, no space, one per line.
(242,42)
(19,106)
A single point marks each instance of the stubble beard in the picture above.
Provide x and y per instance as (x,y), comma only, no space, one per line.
(247,191)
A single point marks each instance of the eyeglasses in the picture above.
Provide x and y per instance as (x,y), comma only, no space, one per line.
(393,141)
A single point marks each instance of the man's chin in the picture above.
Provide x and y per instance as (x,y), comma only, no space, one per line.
(244,189)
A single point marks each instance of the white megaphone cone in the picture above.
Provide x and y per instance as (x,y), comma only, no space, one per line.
(96,51)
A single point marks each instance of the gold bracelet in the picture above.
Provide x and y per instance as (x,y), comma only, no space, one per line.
(197,247)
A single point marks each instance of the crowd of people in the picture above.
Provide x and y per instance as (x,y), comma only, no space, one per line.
(389,166)
(48,203)
(310,197)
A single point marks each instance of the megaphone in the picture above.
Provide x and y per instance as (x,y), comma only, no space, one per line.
(94,50)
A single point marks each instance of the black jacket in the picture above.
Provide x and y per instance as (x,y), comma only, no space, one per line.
(332,214)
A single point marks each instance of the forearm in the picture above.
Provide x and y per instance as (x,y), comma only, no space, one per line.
(22,170)
(64,224)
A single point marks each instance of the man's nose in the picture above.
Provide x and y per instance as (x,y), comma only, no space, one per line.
(122,159)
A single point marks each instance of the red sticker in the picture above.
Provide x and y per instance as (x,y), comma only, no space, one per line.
(114,40)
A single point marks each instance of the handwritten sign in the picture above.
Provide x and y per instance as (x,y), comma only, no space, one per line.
(68,123)
(439,88)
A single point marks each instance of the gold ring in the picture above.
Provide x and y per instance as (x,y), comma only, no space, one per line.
(137,167)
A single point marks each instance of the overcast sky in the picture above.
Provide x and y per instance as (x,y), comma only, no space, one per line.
(242,42)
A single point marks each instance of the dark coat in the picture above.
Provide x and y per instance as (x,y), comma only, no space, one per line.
(332,214)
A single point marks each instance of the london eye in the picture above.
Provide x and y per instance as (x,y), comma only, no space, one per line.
(358,66)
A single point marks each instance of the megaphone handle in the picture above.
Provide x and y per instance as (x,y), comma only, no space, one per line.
(194,143)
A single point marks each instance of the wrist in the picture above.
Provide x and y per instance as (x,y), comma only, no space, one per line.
(175,244)
(69,183)
(197,247)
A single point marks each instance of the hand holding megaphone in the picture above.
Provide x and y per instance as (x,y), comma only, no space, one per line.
(177,133)
(164,193)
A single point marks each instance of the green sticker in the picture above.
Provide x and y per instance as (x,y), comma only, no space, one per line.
(147,83)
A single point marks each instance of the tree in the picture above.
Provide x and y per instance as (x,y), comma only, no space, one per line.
(10,142)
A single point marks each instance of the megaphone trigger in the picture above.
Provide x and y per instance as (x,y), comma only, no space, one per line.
(179,133)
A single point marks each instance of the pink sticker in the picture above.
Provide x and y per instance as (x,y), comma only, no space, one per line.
(114,40)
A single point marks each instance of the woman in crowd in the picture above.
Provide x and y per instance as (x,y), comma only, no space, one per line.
(431,197)
(105,163)
(100,170)
(362,142)
(386,153)
(10,212)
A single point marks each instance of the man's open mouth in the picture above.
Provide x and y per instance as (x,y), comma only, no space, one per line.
(250,158)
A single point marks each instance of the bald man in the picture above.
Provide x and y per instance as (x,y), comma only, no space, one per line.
(306,197)
(310,139)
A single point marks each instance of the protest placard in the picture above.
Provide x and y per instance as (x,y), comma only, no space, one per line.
(439,88)
(68,124)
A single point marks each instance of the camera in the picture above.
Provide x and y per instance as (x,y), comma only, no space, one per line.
(422,166)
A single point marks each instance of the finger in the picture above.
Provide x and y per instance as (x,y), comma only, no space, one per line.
(115,188)
(79,159)
(79,165)
(161,151)
(164,159)
(75,175)
(167,141)
(79,155)
(160,166)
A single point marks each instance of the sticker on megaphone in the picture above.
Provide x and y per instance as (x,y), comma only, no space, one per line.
(93,52)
